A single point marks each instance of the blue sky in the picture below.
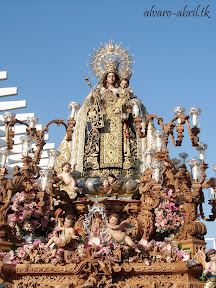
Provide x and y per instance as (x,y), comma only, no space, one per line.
(45,45)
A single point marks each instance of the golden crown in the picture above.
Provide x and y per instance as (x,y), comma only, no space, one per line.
(111,65)
(126,75)
(111,58)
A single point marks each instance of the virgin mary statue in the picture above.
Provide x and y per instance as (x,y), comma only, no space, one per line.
(105,140)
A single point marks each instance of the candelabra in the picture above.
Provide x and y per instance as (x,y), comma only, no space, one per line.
(24,177)
(177,122)
(166,173)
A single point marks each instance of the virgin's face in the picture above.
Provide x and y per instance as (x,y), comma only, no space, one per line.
(111,78)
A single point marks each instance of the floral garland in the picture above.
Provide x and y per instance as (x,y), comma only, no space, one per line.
(152,252)
(32,253)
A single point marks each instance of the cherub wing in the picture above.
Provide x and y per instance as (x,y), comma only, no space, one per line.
(124,225)
(117,185)
(57,213)
(79,231)
(199,258)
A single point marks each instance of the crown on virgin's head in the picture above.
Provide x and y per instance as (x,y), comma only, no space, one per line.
(126,74)
(111,64)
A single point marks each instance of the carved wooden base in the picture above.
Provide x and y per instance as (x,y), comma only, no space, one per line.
(5,245)
(194,245)
(101,274)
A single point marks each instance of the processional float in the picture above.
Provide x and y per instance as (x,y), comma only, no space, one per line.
(124,171)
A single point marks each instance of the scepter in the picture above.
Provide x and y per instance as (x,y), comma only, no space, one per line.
(93,89)
(89,84)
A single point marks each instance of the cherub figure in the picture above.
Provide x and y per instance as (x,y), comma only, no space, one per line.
(115,185)
(105,188)
(210,269)
(122,102)
(116,231)
(124,85)
(67,234)
(68,178)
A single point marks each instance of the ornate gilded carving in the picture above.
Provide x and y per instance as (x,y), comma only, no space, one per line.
(138,275)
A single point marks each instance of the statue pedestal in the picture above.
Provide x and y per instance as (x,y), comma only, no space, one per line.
(112,206)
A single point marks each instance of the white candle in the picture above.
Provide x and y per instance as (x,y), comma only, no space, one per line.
(179,121)
(26,148)
(149,135)
(44,182)
(159,144)
(202,155)
(157,174)
(148,160)
(195,173)
(52,162)
(195,116)
(136,110)
(212,193)
(31,124)
(4,157)
(72,112)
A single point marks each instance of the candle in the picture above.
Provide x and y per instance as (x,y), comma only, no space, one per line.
(202,155)
(159,144)
(31,124)
(149,135)
(157,174)
(72,112)
(53,155)
(195,173)
(148,160)
(136,110)
(195,116)
(52,162)
(44,182)
(194,112)
(183,157)
(32,121)
(178,111)
(26,148)
(160,140)
(212,193)
(157,167)
(74,107)
(26,144)
(4,158)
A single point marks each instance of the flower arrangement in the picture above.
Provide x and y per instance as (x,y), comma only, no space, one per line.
(168,215)
(164,251)
(33,253)
(26,218)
